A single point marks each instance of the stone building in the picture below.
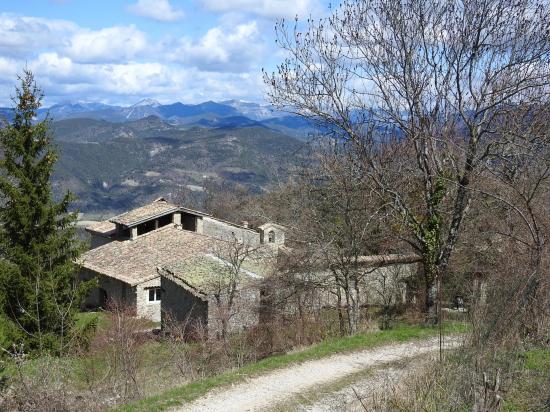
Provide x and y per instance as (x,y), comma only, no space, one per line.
(170,262)
(272,234)
(131,252)
(196,292)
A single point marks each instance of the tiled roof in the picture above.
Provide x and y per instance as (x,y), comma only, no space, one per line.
(104,228)
(136,261)
(389,259)
(271,224)
(200,273)
(155,209)
(204,271)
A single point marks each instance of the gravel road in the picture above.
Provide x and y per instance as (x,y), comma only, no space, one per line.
(264,392)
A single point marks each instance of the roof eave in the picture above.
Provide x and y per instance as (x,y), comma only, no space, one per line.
(168,274)
(128,280)
(102,234)
(145,219)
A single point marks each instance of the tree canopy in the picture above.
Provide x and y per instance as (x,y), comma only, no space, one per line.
(38,289)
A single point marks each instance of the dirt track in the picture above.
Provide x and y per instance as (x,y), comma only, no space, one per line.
(264,392)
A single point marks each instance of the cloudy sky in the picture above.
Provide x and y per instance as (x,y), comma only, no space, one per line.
(120,51)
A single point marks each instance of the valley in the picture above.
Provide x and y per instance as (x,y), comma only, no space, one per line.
(114,158)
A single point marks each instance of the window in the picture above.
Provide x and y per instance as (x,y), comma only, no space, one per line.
(189,222)
(146,227)
(154,295)
(271,236)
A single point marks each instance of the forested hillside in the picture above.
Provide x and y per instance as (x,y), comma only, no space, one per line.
(114,166)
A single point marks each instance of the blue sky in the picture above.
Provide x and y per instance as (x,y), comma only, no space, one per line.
(120,51)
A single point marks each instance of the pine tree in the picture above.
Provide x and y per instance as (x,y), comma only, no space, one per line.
(38,288)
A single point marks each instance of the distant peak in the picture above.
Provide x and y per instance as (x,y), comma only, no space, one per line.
(147,102)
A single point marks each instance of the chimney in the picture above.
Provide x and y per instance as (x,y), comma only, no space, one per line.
(245,224)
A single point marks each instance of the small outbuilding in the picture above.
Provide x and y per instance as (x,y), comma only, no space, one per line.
(198,293)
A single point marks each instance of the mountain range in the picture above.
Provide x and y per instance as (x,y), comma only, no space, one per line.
(113,166)
(229,113)
(114,158)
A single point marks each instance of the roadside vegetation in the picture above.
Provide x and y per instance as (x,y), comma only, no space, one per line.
(123,361)
(433,152)
(331,346)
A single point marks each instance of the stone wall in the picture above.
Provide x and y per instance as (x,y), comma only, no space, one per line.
(386,285)
(144,308)
(109,289)
(180,305)
(380,286)
(277,233)
(226,231)
(244,313)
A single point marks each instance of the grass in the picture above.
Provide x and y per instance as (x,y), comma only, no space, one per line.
(78,366)
(84,318)
(538,360)
(178,396)
(529,390)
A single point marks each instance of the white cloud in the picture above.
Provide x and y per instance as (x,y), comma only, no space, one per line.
(111,44)
(22,35)
(159,10)
(119,65)
(63,79)
(25,37)
(265,8)
(8,69)
(220,49)
(53,66)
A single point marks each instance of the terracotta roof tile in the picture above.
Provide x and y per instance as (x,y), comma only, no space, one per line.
(152,210)
(136,261)
(105,228)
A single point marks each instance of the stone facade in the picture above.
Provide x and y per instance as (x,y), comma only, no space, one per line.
(181,303)
(228,231)
(387,285)
(144,307)
(129,251)
(272,233)
(244,314)
(380,286)
(113,290)
(109,289)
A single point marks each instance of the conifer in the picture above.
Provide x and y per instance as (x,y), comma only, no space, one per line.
(39,291)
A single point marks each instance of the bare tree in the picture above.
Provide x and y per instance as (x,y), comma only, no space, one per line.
(334,224)
(418,88)
(225,285)
(520,175)
(338,220)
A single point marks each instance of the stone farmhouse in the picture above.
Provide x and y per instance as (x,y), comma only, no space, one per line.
(164,259)
(168,262)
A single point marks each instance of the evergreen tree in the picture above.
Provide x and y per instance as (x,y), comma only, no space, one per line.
(39,291)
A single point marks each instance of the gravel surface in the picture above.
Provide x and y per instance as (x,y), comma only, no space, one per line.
(266,391)
(352,396)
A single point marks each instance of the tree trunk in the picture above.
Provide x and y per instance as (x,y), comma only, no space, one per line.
(352,297)
(430,305)
(301,314)
(340,314)
(351,329)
